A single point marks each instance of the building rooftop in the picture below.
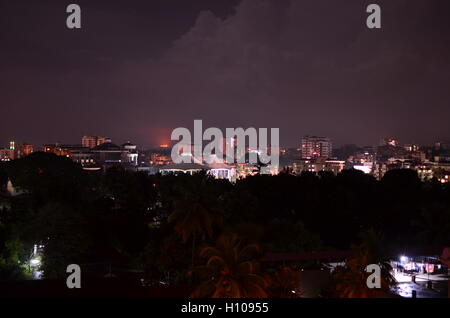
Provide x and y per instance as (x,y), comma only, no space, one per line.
(219,166)
(107,146)
(185,167)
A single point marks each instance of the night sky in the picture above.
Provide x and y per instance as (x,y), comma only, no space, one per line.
(138,69)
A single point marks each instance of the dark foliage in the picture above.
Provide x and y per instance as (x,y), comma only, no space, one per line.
(156,225)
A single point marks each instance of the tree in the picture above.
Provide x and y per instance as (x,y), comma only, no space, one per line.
(351,280)
(288,237)
(285,283)
(433,224)
(10,252)
(231,270)
(3,176)
(61,229)
(195,210)
(48,177)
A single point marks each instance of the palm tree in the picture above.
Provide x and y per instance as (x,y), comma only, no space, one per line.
(285,283)
(194,209)
(231,270)
(351,280)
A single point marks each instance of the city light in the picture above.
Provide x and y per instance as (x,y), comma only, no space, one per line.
(35,261)
(178,151)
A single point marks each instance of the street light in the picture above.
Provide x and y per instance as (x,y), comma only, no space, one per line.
(35,261)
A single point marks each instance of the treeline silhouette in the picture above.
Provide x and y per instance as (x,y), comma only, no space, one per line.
(177,230)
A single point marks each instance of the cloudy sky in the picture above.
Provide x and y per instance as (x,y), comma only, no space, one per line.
(138,69)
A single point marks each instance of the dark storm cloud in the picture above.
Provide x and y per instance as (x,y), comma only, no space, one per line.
(136,71)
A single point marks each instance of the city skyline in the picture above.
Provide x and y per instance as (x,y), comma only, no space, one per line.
(166,142)
(80,142)
(190,153)
(142,68)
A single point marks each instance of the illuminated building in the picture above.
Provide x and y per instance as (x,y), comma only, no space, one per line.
(92,141)
(183,168)
(104,154)
(57,149)
(218,171)
(366,167)
(442,172)
(444,179)
(222,171)
(10,153)
(244,170)
(160,156)
(7,154)
(314,147)
(442,158)
(130,154)
(108,154)
(379,169)
(84,157)
(50,148)
(25,150)
(317,165)
(442,152)
(335,166)
(160,159)
(389,142)
(425,172)
(411,147)
(442,146)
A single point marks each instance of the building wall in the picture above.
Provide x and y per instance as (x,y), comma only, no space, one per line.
(7,154)
(92,141)
(25,150)
(313,147)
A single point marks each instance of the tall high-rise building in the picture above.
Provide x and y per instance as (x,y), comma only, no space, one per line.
(92,141)
(315,147)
